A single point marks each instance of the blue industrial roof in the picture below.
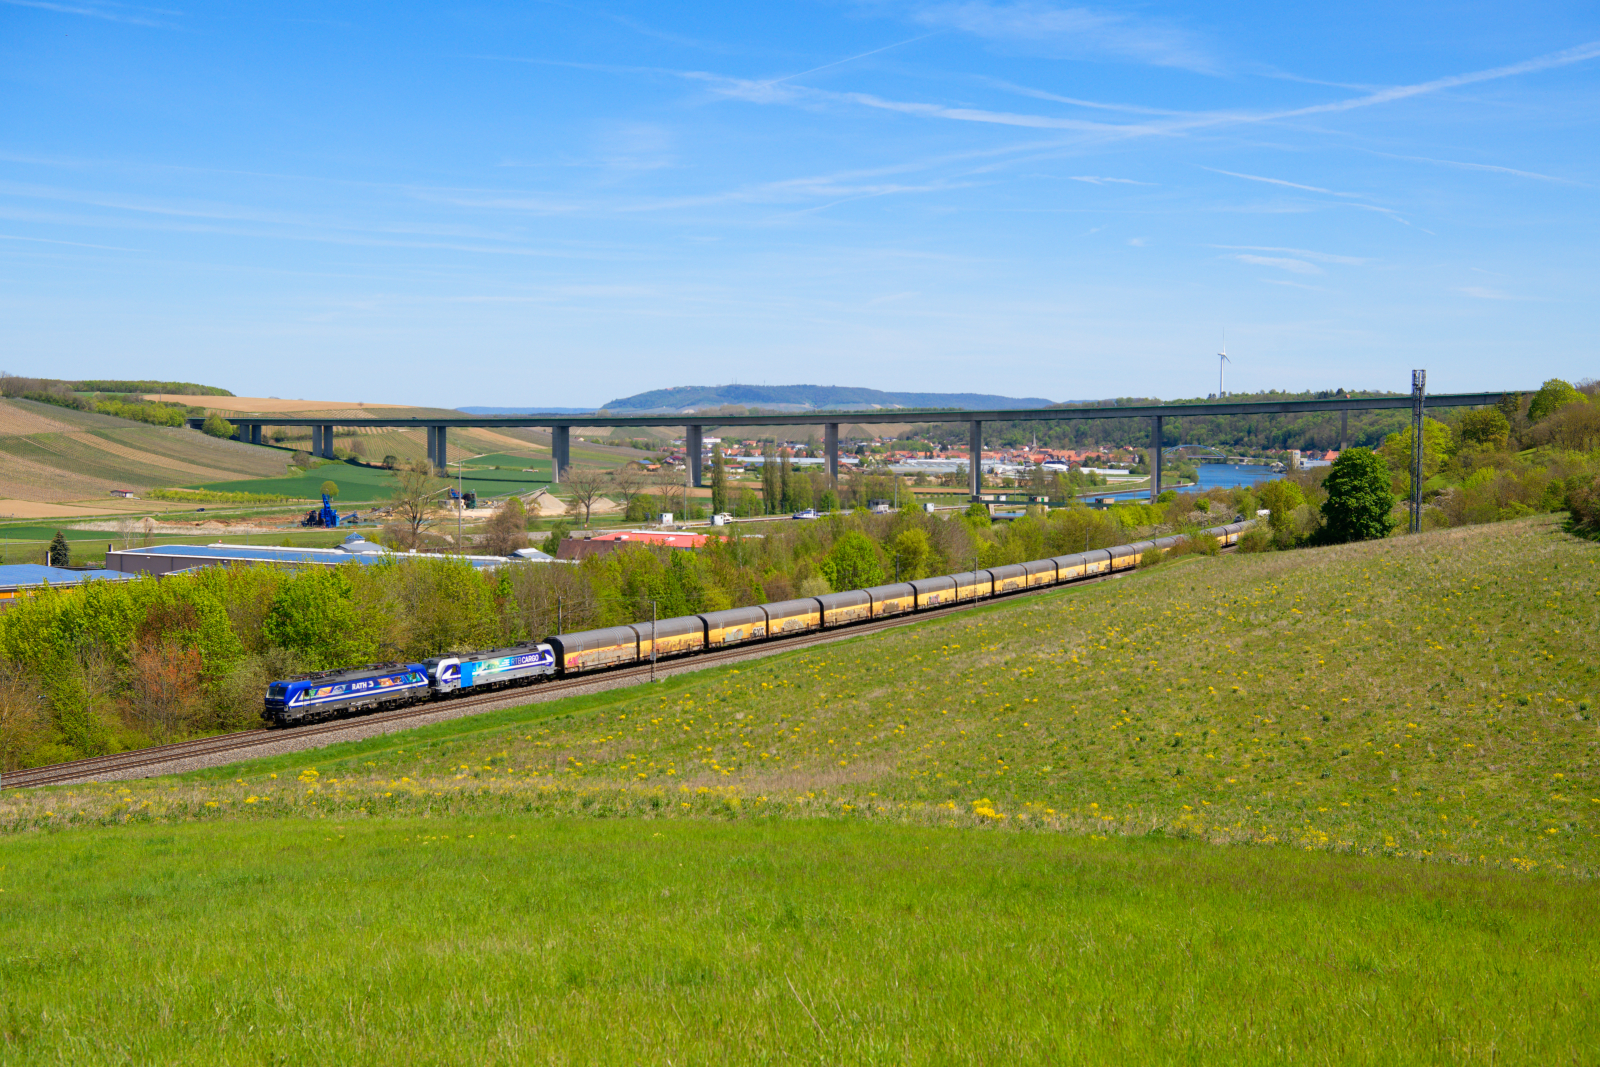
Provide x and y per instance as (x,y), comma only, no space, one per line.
(273,554)
(267,553)
(21,574)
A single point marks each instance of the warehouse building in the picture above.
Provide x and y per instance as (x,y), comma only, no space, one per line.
(167,559)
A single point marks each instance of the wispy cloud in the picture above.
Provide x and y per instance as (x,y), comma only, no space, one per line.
(70,244)
(1293,266)
(1033,26)
(137,16)
(1481,292)
(1296,285)
(1320,257)
(1098,105)
(1579,54)
(1096,180)
(1279,181)
(784,90)
(1486,167)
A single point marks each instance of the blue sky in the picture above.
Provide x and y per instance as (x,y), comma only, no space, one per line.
(549,203)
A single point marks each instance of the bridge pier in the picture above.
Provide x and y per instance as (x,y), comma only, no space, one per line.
(1344,427)
(975,462)
(560,452)
(439,449)
(830,447)
(327,441)
(316,439)
(1155,461)
(255,433)
(693,441)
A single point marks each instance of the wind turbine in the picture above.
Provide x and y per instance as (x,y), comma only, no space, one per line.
(1222,358)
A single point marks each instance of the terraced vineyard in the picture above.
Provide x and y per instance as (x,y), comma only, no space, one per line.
(60,454)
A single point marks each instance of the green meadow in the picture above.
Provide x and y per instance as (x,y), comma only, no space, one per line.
(1334,805)
(516,939)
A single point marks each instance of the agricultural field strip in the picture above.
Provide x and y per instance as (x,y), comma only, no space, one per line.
(203,752)
(84,454)
(30,479)
(102,442)
(16,421)
(188,446)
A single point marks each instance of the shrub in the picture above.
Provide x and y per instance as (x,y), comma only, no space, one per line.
(1256,539)
(217,426)
(1583,503)
(1151,557)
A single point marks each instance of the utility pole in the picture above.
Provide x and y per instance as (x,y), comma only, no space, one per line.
(652,641)
(1419,389)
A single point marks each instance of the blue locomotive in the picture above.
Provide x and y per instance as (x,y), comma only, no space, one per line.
(487,670)
(328,694)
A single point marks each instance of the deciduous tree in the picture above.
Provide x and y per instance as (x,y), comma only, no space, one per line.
(1551,397)
(1485,426)
(1359,505)
(769,479)
(852,563)
(413,502)
(508,530)
(627,482)
(1437,444)
(719,480)
(585,484)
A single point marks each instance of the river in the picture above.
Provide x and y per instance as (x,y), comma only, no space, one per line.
(1212,476)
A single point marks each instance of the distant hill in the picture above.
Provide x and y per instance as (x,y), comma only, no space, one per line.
(806,398)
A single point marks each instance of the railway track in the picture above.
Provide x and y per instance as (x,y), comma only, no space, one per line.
(242,743)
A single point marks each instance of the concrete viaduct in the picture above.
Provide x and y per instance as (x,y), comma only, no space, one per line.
(560,426)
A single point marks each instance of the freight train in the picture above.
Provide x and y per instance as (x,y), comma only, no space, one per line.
(376,686)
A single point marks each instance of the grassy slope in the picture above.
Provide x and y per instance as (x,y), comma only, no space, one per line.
(1362,699)
(520,939)
(840,890)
